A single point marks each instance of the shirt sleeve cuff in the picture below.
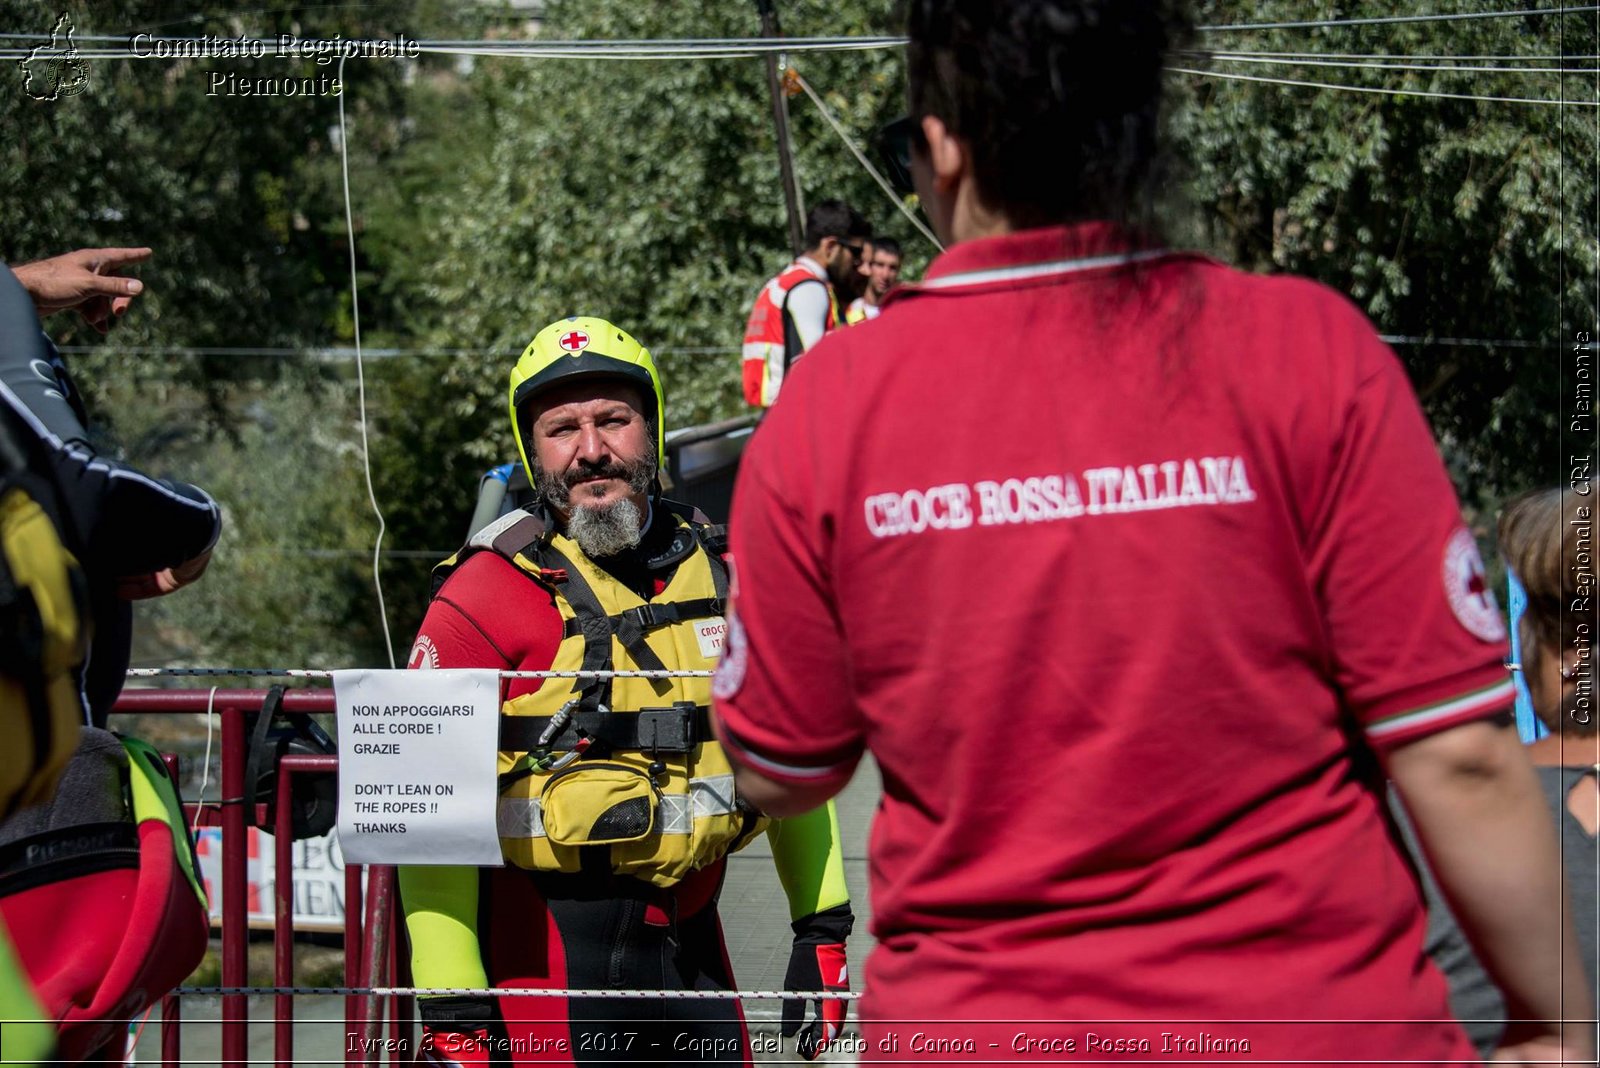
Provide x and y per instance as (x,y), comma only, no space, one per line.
(1422,711)
(784,768)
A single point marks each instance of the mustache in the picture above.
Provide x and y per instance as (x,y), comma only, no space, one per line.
(602,470)
(560,488)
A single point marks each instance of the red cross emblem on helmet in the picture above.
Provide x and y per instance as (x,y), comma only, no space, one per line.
(573,341)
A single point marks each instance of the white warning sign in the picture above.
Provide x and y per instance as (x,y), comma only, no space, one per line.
(417,766)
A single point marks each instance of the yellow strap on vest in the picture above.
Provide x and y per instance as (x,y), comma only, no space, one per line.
(44,625)
(155,797)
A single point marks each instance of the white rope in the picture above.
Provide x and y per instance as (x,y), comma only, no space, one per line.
(883,183)
(205,762)
(323,673)
(1384,92)
(518,992)
(337,353)
(340,353)
(361,377)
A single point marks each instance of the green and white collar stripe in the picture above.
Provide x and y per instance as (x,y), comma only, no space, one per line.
(1478,700)
(1029,271)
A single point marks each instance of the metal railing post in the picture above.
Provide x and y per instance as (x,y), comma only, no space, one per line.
(283,917)
(171,1032)
(235,916)
(354,954)
(380,897)
(366,948)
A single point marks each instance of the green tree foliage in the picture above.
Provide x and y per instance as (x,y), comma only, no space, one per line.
(290,582)
(645,192)
(240,197)
(238,194)
(493,195)
(1442,218)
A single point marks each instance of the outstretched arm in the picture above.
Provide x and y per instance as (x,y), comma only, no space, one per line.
(88,280)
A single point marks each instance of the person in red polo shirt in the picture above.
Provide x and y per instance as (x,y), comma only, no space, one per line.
(1137,575)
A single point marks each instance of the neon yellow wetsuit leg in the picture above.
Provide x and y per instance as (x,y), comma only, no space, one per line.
(810,862)
(441,903)
(27,1036)
(441,907)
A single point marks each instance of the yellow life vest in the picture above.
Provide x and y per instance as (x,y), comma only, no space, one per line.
(44,637)
(621,774)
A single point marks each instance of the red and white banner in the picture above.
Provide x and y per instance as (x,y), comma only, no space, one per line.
(318,896)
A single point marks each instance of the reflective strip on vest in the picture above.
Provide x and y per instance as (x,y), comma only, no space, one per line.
(765,338)
(523,817)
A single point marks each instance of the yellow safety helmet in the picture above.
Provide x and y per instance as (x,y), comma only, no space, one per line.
(580,346)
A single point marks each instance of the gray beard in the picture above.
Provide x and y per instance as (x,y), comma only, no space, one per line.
(606,531)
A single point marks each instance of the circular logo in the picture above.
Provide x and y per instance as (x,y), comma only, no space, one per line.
(1467,589)
(573,341)
(735,658)
(423,654)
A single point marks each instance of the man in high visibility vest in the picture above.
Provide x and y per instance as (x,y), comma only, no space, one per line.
(799,305)
(617,808)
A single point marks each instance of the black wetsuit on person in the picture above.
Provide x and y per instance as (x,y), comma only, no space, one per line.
(121,522)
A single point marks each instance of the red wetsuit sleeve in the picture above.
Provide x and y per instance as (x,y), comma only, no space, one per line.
(782,690)
(489,614)
(1417,639)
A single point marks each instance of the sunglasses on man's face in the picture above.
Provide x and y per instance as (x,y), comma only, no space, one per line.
(896,141)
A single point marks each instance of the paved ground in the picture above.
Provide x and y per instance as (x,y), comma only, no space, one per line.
(755,918)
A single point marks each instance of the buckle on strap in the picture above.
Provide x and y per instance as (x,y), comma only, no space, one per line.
(670,730)
(663,613)
(677,728)
(649,616)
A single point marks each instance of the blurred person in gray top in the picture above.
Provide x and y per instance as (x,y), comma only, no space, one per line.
(1547,541)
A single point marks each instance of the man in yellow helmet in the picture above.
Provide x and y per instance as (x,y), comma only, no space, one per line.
(617,808)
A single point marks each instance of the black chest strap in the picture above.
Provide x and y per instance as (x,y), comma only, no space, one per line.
(597,628)
(675,729)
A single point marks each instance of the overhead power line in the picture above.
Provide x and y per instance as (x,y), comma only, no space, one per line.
(340,354)
(1385,92)
(866,164)
(335,554)
(1393,20)
(1207,53)
(235,48)
(1222,57)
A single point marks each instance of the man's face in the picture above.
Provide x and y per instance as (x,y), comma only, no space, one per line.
(843,261)
(865,265)
(590,446)
(882,272)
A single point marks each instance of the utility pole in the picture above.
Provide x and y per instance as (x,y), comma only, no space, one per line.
(780,120)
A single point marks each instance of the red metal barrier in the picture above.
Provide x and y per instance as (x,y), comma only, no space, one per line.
(370,955)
